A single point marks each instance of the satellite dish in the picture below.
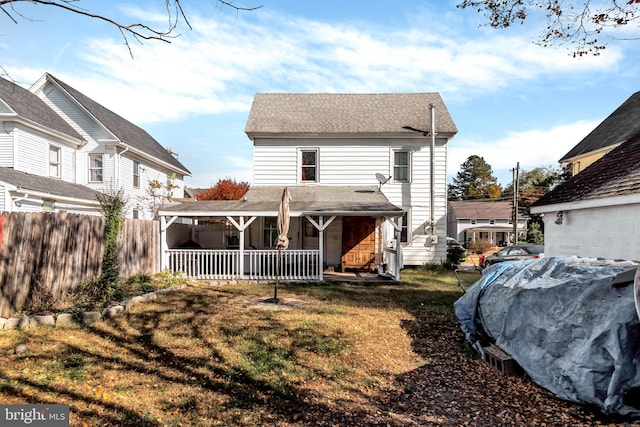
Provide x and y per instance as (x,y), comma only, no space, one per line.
(382,179)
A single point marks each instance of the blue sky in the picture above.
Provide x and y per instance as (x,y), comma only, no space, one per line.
(512,101)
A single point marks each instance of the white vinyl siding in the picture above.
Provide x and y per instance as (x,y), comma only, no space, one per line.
(356,162)
(7,142)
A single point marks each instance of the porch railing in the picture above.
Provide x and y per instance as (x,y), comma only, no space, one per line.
(224,264)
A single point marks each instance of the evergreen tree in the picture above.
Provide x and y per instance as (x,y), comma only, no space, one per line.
(475,180)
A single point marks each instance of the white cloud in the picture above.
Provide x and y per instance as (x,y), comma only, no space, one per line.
(532,148)
(219,65)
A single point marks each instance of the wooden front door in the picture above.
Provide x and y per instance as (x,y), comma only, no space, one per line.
(358,243)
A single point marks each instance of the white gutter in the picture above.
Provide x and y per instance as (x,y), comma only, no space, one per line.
(588,204)
(43,195)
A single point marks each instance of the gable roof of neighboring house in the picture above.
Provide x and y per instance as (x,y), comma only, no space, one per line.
(121,128)
(480,209)
(42,186)
(310,200)
(621,125)
(615,174)
(22,104)
(340,113)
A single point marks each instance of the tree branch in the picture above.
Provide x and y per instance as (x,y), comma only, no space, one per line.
(139,31)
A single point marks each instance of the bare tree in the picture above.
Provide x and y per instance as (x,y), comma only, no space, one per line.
(581,24)
(138,31)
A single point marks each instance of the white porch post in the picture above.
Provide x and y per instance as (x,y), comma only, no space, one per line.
(241,225)
(320,226)
(164,247)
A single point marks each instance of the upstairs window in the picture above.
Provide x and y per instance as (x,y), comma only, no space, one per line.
(54,162)
(95,168)
(401,166)
(309,165)
(136,174)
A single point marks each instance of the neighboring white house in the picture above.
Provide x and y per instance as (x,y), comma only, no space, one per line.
(59,147)
(367,175)
(596,213)
(484,220)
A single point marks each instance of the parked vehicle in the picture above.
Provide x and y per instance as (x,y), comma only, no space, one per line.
(514,253)
(453,244)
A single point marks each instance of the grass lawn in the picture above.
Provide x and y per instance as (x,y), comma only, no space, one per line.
(345,355)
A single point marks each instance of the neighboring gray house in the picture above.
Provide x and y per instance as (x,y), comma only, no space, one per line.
(596,212)
(489,220)
(56,133)
(366,172)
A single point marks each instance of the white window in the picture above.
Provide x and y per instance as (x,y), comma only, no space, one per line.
(404,231)
(309,165)
(48,205)
(95,168)
(54,161)
(270,231)
(401,166)
(136,174)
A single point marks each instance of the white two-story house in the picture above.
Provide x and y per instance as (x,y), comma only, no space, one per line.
(366,173)
(58,147)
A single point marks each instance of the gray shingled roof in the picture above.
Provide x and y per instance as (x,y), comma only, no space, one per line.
(54,187)
(621,125)
(615,174)
(477,209)
(338,200)
(123,129)
(28,106)
(340,113)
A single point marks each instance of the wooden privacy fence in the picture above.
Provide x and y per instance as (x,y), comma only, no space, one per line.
(58,250)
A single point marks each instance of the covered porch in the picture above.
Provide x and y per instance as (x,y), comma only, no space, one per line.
(235,240)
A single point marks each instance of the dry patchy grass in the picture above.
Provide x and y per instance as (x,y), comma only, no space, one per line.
(205,356)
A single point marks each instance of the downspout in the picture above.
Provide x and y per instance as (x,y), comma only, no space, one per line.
(19,199)
(432,148)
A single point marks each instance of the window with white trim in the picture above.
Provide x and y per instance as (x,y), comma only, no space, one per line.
(95,168)
(309,165)
(404,231)
(54,162)
(401,166)
(136,174)
(270,231)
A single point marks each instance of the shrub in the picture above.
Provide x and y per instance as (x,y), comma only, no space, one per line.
(479,246)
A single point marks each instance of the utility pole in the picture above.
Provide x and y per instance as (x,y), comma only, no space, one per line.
(516,173)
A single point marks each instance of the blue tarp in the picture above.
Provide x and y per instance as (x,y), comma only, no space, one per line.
(563,320)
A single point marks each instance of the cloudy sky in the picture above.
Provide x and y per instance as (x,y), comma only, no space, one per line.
(512,100)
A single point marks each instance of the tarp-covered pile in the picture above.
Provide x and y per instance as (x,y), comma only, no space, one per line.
(571,324)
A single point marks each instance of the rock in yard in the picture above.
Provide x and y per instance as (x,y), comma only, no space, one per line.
(11,323)
(20,348)
(63,319)
(89,317)
(42,321)
(23,322)
(114,311)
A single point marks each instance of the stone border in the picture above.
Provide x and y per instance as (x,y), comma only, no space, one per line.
(88,317)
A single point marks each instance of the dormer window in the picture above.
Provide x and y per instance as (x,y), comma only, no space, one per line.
(309,165)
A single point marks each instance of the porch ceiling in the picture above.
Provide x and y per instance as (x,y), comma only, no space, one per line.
(305,200)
